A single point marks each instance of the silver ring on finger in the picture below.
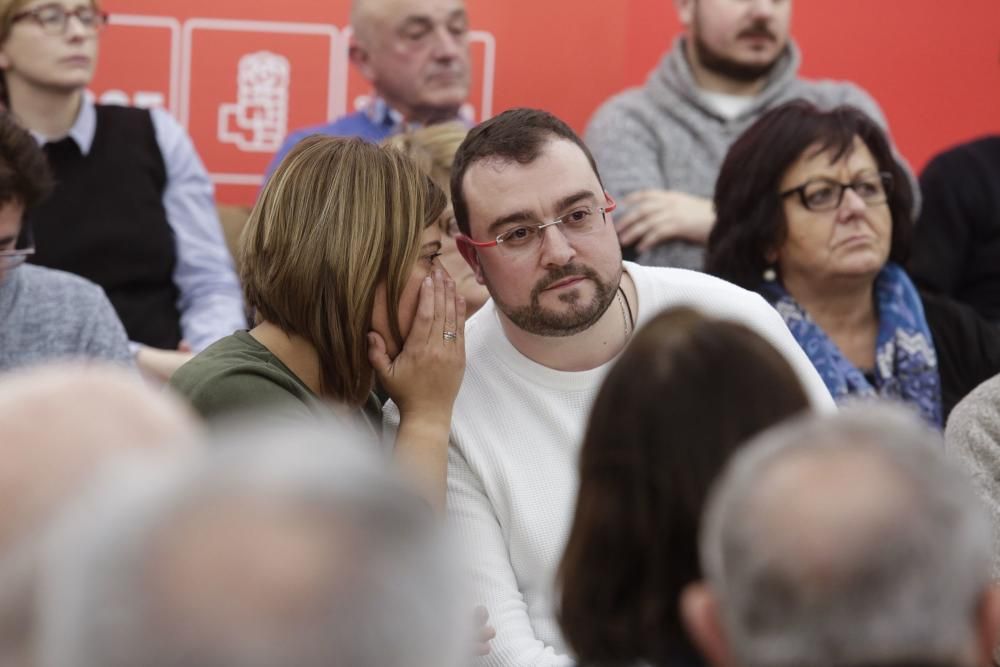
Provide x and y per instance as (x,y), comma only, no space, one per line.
(450,336)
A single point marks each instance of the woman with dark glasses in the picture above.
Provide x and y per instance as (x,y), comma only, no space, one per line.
(814,212)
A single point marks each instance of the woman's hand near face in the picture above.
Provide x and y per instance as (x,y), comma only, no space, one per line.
(423,381)
(426,374)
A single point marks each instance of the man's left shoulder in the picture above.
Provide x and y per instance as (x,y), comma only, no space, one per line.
(714,296)
(686,279)
(67,299)
(55,285)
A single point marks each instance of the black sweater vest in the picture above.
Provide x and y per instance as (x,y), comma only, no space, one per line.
(106,222)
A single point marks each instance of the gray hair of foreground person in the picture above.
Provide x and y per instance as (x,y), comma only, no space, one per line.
(845,540)
(62,424)
(283,547)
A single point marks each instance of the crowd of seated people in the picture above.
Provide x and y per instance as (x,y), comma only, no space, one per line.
(439,417)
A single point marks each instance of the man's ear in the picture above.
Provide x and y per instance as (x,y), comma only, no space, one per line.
(360,58)
(703,620)
(988,626)
(471,257)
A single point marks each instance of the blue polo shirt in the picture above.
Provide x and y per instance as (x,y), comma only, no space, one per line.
(358,124)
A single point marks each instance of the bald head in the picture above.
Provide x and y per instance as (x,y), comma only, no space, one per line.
(844,540)
(369,14)
(60,423)
(364,13)
(415,54)
(824,534)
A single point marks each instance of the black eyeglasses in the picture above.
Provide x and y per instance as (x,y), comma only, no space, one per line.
(826,194)
(54,18)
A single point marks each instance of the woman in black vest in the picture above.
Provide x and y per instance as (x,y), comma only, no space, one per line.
(133,209)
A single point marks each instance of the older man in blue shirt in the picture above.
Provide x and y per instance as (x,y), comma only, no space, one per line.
(415,54)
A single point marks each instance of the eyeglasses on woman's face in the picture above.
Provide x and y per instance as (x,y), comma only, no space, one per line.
(54,18)
(826,194)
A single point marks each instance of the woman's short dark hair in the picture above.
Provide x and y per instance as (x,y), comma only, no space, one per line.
(750,219)
(683,396)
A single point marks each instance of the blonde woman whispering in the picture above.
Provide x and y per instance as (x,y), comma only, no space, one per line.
(339,260)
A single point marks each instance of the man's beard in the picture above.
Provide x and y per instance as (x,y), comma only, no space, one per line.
(733,69)
(535,319)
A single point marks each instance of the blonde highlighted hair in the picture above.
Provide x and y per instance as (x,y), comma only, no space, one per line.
(338,217)
(432,148)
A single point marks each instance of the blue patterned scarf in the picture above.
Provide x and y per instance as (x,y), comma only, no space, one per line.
(905,361)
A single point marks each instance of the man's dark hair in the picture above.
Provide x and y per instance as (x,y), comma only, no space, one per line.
(25,176)
(750,215)
(517,135)
(654,446)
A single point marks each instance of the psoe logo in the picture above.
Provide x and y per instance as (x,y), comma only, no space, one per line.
(258,120)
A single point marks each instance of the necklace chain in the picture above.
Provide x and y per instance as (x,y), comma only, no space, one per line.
(626,312)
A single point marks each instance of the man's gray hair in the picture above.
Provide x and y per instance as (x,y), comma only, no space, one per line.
(881,555)
(56,439)
(291,547)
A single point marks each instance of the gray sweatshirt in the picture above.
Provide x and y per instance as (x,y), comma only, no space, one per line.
(46,315)
(666,135)
(972,438)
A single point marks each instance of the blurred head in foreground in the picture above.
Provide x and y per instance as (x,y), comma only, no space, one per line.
(61,425)
(845,540)
(291,548)
(653,447)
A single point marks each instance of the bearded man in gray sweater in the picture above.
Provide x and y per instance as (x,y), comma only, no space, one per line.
(660,146)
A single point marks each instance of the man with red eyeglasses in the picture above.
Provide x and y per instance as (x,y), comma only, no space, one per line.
(537,230)
(44,314)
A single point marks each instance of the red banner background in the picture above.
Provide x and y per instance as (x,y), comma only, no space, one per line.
(934,67)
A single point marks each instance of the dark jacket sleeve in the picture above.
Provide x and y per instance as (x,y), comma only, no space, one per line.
(967,346)
(943,231)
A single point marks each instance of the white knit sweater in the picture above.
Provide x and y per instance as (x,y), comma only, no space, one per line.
(512,466)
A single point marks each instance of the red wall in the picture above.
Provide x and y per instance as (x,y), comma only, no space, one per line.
(934,68)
